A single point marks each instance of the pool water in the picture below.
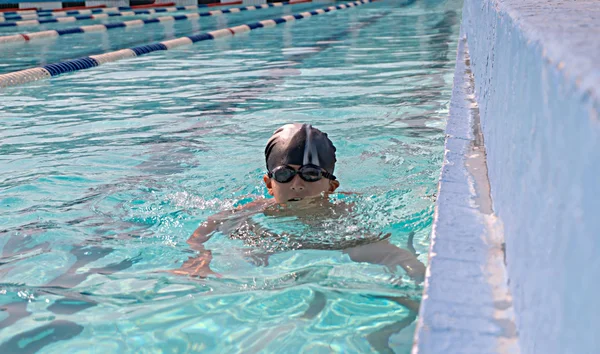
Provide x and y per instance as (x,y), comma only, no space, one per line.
(106,172)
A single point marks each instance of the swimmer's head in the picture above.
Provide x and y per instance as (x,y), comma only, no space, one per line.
(300,163)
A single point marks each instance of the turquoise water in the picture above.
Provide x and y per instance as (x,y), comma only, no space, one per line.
(105,173)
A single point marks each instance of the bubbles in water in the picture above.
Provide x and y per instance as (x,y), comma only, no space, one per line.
(25,295)
(188,201)
(337,223)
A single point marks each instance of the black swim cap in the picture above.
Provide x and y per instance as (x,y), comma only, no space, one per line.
(300,144)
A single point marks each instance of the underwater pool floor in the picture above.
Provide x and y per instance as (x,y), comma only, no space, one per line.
(106,173)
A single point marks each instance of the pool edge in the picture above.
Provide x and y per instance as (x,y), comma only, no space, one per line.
(466,303)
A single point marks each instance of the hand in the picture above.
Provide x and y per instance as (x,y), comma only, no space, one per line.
(389,255)
(197,267)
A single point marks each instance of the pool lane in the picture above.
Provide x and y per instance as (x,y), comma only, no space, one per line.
(199,89)
(20,56)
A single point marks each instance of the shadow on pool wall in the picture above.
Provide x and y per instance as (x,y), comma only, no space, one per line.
(537,88)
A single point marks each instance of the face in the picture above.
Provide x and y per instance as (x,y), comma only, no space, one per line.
(298,188)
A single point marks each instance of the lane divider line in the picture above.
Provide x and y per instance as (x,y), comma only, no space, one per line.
(21,20)
(50,70)
(5,22)
(34,20)
(29,19)
(66,12)
(25,37)
(13,11)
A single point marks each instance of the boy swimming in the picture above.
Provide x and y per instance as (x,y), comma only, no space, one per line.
(300,176)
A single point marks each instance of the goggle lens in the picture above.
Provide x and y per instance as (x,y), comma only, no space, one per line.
(284,175)
(309,173)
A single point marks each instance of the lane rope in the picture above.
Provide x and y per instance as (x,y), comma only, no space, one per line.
(26,37)
(67,12)
(47,71)
(33,20)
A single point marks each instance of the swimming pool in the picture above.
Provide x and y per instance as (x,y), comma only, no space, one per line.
(106,172)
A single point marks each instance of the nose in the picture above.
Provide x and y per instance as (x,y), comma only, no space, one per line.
(297,184)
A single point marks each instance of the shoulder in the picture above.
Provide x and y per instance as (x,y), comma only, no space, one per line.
(348,193)
(256,205)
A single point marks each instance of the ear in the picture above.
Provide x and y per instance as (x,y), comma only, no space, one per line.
(333,185)
(268,183)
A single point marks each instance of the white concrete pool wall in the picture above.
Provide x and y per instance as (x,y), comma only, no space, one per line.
(536,86)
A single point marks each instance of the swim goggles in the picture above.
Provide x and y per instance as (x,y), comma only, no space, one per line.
(309,173)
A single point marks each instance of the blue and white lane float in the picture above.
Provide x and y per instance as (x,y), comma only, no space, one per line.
(25,37)
(109,10)
(25,22)
(47,71)
(34,14)
(80,15)
(43,13)
(99,16)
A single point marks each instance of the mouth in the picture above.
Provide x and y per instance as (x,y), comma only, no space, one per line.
(294,199)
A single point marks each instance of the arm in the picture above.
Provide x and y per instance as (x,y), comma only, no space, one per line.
(385,253)
(199,264)
(203,232)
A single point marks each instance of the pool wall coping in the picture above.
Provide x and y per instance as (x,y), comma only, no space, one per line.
(535,85)
(466,302)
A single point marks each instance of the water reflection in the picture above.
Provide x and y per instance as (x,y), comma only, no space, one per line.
(106,174)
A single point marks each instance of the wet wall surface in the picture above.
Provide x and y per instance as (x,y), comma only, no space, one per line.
(537,88)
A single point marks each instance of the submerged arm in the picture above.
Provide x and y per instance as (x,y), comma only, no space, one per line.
(199,264)
(389,255)
(205,230)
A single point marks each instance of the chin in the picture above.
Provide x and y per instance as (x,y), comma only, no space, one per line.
(305,198)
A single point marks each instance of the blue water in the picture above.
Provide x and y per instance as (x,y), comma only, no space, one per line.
(105,173)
